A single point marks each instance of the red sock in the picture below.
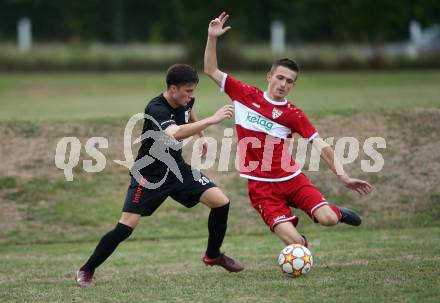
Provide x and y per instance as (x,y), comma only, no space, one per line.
(305,242)
(336,210)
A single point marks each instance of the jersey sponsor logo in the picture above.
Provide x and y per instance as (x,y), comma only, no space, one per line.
(276,113)
(257,119)
(244,116)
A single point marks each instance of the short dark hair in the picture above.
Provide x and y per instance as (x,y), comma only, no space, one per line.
(181,74)
(286,62)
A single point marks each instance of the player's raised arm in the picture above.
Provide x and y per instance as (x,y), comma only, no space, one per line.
(328,155)
(216,28)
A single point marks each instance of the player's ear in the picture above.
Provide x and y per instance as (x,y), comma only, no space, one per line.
(296,78)
(269,75)
(172,88)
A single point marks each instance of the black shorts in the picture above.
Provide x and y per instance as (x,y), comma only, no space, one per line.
(144,201)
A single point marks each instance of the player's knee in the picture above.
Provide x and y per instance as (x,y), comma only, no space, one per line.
(328,219)
(214,198)
(218,204)
(130,220)
(222,199)
(224,202)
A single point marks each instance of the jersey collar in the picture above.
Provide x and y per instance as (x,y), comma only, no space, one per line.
(273,101)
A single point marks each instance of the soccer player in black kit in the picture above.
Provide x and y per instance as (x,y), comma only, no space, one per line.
(160,172)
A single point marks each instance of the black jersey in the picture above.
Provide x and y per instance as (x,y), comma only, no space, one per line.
(164,115)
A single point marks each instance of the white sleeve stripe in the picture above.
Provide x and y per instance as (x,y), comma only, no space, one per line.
(312,137)
(222,85)
(168,121)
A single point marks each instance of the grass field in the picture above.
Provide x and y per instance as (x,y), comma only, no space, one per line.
(351,266)
(48,226)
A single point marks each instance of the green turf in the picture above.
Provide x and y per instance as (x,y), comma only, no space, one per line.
(88,95)
(56,224)
(350,266)
(54,210)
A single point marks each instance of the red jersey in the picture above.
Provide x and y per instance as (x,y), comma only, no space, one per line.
(264,129)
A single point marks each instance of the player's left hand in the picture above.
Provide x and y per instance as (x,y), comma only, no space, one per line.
(362,187)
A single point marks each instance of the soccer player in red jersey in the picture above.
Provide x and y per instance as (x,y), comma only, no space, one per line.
(265,122)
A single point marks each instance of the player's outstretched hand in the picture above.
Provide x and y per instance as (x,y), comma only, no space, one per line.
(362,187)
(223,113)
(216,27)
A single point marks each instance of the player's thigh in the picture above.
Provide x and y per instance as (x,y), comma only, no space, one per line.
(305,196)
(143,201)
(130,219)
(214,197)
(272,207)
(195,188)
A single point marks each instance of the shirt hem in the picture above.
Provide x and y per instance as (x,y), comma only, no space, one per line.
(271,179)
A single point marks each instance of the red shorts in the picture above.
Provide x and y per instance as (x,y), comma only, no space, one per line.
(274,199)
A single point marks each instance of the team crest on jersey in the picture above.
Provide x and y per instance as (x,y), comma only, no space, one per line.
(187,116)
(276,113)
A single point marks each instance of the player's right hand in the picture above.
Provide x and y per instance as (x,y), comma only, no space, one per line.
(223,113)
(216,28)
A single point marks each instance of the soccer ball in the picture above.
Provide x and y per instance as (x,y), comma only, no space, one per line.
(295,260)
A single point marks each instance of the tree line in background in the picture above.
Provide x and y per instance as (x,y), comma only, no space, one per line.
(185,21)
(89,34)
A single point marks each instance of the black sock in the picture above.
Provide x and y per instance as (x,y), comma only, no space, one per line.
(107,246)
(217,223)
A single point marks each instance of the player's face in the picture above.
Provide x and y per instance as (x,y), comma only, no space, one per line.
(281,80)
(183,94)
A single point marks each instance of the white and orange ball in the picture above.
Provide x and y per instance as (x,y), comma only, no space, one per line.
(295,260)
